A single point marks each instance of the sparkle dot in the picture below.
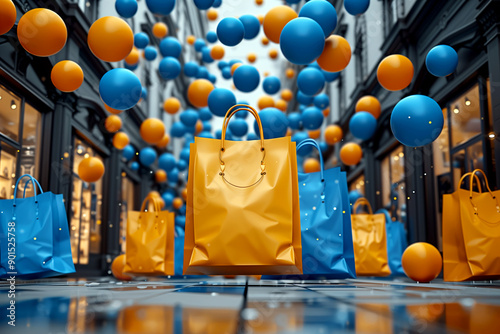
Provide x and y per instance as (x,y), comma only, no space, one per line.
(430,122)
(317,239)
(340,235)
(334,208)
(60,229)
(34,238)
(303,184)
(314,208)
(343,211)
(408,197)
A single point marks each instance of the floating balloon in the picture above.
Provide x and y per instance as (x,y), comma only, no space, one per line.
(259,2)
(230,31)
(211,36)
(251,25)
(442,60)
(189,117)
(172,105)
(150,53)
(302,41)
(128,152)
(356,7)
(120,89)
(67,76)
(222,64)
(331,76)
(167,162)
(312,118)
(295,120)
(242,113)
(202,73)
(198,92)
(238,127)
(141,40)
(422,262)
(147,156)
(274,123)
(170,47)
(177,203)
(311,165)
(363,125)
(298,138)
(265,40)
(191,69)
(205,55)
(120,140)
(395,72)
(131,67)
(135,166)
(265,102)
(336,55)
(91,169)
(160,176)
(351,154)
(321,101)
(205,114)
(310,81)
(333,134)
(369,104)
(246,78)
(170,68)
(168,199)
(323,13)
(203,4)
(212,14)
(273,54)
(417,120)
(184,155)
(275,20)
(8,16)
(304,99)
(117,267)
(226,73)
(133,57)
(113,123)
(217,3)
(183,165)
(217,52)
(205,134)
(220,101)
(281,105)
(161,7)
(314,134)
(164,141)
(271,85)
(152,130)
(287,95)
(326,112)
(199,44)
(160,30)
(110,39)
(42,32)
(251,57)
(252,136)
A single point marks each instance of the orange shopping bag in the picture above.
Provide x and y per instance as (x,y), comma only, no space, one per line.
(471,232)
(150,241)
(370,242)
(243,206)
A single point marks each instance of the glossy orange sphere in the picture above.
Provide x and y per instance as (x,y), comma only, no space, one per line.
(133,57)
(172,105)
(198,92)
(212,14)
(273,53)
(190,39)
(261,18)
(326,112)
(198,127)
(275,20)
(8,16)
(369,104)
(336,55)
(422,262)
(290,73)
(266,74)
(152,130)
(251,57)
(120,140)
(259,2)
(286,94)
(160,176)
(311,165)
(160,30)
(184,193)
(234,67)
(177,203)
(42,32)
(117,267)
(351,154)
(113,123)
(395,72)
(91,169)
(217,52)
(110,39)
(111,110)
(314,134)
(264,40)
(164,141)
(333,134)
(281,105)
(265,102)
(67,76)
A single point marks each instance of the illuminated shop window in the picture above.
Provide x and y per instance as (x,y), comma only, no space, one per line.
(358,184)
(127,204)
(394,193)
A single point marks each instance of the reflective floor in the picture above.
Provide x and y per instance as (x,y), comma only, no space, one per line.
(216,305)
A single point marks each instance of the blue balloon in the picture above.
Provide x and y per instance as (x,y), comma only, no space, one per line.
(238,127)
(271,85)
(230,31)
(205,55)
(182,165)
(417,120)
(302,107)
(144,93)
(304,99)
(321,101)
(167,162)
(222,64)
(134,166)
(205,134)
(211,37)
(190,130)
(126,8)
(302,41)
(234,61)
(298,138)
(203,4)
(356,7)
(292,2)
(173,177)
(226,73)
(202,73)
(330,76)
(130,67)
(242,113)
(217,3)
(180,220)
(189,117)
(323,147)
(354,195)
(310,81)
(168,199)
(128,152)
(190,69)
(229,135)
(207,126)
(274,123)
(442,60)
(252,136)
(150,53)
(363,125)
(120,89)
(184,155)
(205,114)
(141,40)
(170,47)
(199,44)
(246,78)
(251,25)
(170,68)
(312,118)
(295,120)
(177,130)
(220,100)
(212,78)
(147,156)
(161,7)
(323,13)
(188,139)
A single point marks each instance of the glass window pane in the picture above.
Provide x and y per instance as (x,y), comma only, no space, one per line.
(127,204)
(8,159)
(465,117)
(30,153)
(10,107)
(458,165)
(475,156)
(358,184)
(441,149)
(393,183)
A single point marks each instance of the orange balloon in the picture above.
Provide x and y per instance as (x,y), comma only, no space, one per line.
(273,53)
(198,92)
(259,2)
(67,76)
(117,267)
(160,176)
(120,140)
(42,32)
(133,57)
(333,134)
(164,142)
(288,132)
(234,67)
(314,134)
(113,123)
(266,74)
(265,101)
(110,39)
(91,169)
(190,39)
(281,105)
(111,110)
(252,57)
(217,52)
(326,112)
(286,94)
(261,18)
(290,73)
(369,104)
(172,105)
(275,20)
(422,262)
(184,193)
(152,130)
(351,154)
(8,16)
(311,165)
(160,30)
(395,72)
(212,14)
(177,203)
(336,55)
(265,40)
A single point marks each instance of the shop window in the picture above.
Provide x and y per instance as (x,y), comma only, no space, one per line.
(393,183)
(360,52)
(465,117)
(127,204)
(358,184)
(86,207)
(391,14)
(8,158)
(10,111)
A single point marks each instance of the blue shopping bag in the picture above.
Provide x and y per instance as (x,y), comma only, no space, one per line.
(34,235)
(396,243)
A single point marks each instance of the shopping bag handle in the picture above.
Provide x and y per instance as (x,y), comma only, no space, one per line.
(362,201)
(150,198)
(32,179)
(34,185)
(472,176)
(314,143)
(487,187)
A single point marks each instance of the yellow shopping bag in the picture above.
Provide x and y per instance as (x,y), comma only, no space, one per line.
(370,242)
(471,232)
(150,241)
(243,213)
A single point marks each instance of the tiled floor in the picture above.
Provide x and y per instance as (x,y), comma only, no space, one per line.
(213,305)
